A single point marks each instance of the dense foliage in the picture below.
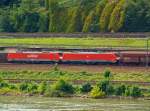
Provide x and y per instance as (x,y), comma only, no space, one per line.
(63,88)
(74,15)
(86,88)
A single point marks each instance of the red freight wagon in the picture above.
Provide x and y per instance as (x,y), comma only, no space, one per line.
(90,57)
(28,56)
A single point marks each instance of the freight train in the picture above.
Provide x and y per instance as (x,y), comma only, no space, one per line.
(75,57)
(59,57)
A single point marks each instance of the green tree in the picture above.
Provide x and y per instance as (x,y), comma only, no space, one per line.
(47,4)
(137,18)
(105,16)
(43,22)
(31,22)
(98,11)
(54,11)
(6,24)
(74,15)
(88,22)
(26,5)
(117,17)
(75,24)
(8,2)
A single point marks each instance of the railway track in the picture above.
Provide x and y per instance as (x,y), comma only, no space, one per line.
(72,65)
(93,49)
(86,66)
(77,81)
(76,35)
(74,68)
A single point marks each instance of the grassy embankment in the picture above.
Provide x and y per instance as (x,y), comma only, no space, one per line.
(72,76)
(76,42)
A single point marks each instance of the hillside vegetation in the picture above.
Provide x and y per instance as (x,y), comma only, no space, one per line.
(74,16)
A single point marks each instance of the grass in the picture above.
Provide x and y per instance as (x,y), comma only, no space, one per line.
(75,42)
(70,76)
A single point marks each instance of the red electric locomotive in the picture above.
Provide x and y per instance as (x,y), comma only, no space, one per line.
(62,57)
(90,57)
(33,57)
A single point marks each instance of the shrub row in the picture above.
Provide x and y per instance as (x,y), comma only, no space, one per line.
(63,88)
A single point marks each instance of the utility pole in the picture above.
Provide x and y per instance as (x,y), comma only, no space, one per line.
(147,55)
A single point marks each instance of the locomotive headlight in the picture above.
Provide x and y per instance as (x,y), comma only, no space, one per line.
(60,57)
(118,58)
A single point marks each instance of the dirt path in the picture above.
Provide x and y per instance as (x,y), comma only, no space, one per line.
(75,68)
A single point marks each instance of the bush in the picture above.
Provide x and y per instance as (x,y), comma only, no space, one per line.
(3,84)
(107,74)
(47,91)
(77,89)
(42,87)
(127,91)
(103,85)
(120,90)
(55,93)
(63,86)
(86,88)
(28,87)
(110,90)
(59,89)
(148,94)
(12,86)
(135,91)
(23,87)
(33,88)
(8,91)
(97,93)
